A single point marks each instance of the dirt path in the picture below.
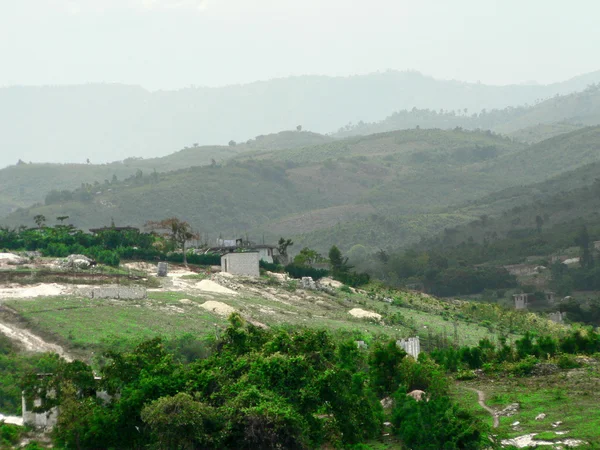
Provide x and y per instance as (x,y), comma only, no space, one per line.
(32,342)
(481,401)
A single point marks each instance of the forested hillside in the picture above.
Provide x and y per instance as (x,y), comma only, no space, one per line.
(536,123)
(381,191)
(107,122)
(24,184)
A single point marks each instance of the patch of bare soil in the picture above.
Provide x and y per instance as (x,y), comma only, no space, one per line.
(362,314)
(219,308)
(211,286)
(30,341)
(39,290)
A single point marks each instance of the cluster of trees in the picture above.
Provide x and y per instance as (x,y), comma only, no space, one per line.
(441,272)
(107,246)
(306,262)
(523,355)
(258,388)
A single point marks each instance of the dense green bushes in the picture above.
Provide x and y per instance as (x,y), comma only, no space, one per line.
(522,357)
(296,271)
(106,247)
(265,389)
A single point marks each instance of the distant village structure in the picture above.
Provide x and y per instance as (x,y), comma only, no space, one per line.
(522,301)
(266,252)
(242,257)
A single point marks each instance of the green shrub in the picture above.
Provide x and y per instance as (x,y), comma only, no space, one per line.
(57,250)
(524,367)
(302,271)
(568,362)
(108,258)
(465,375)
(9,434)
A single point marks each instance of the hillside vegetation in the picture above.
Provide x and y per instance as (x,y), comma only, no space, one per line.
(545,119)
(22,185)
(359,176)
(381,191)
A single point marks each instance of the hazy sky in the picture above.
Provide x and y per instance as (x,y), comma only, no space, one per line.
(176,43)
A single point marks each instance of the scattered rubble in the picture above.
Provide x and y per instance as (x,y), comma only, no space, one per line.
(528,440)
(80,262)
(510,410)
(308,283)
(544,369)
(541,416)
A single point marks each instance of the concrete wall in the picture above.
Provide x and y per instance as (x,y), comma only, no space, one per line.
(118,292)
(557,316)
(412,346)
(521,301)
(265,254)
(245,264)
(39,420)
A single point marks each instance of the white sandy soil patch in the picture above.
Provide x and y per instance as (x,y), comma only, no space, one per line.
(30,341)
(40,290)
(362,314)
(218,308)
(211,286)
(13,420)
(528,440)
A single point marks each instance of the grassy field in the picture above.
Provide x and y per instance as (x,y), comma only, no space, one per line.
(91,324)
(568,396)
(88,324)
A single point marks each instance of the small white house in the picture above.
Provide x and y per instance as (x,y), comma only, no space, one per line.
(242,263)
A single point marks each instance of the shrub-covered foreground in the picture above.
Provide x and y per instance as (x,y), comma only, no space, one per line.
(258,389)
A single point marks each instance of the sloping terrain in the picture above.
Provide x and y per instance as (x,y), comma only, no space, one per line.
(401,173)
(22,185)
(543,120)
(384,190)
(199,303)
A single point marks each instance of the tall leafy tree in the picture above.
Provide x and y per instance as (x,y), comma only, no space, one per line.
(177,231)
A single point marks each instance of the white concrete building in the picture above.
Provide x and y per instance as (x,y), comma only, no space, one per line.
(242,263)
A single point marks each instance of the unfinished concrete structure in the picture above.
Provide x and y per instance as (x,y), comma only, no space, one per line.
(242,263)
(163,268)
(118,292)
(521,300)
(44,420)
(557,316)
(412,346)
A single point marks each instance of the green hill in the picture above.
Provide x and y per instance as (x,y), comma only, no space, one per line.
(385,190)
(22,185)
(381,191)
(403,173)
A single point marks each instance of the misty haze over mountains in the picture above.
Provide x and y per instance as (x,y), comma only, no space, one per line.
(107,122)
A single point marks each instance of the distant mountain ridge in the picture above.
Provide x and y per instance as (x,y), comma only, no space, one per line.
(112,122)
(535,123)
